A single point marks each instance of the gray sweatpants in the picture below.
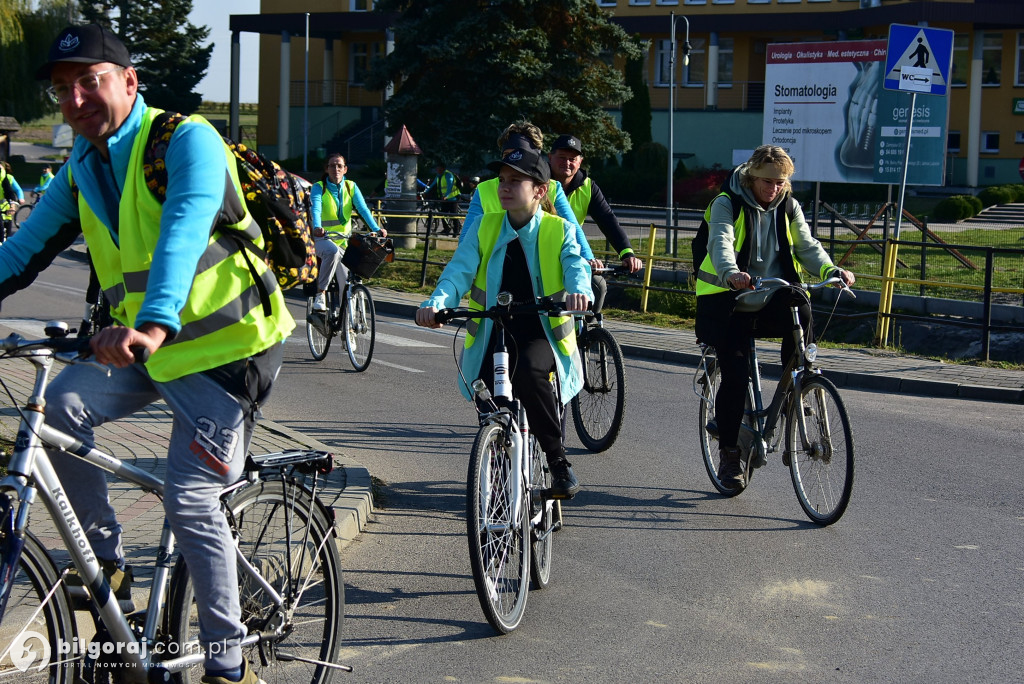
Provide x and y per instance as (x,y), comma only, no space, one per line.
(209,439)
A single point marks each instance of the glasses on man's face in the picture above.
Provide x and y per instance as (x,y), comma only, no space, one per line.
(89,83)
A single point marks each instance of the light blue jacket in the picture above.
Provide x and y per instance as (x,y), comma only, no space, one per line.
(457,279)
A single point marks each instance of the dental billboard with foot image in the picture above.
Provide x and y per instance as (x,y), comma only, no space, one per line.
(826,106)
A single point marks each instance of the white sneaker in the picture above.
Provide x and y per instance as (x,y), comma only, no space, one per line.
(319,302)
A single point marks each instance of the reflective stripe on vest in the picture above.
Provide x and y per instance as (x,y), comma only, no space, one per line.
(707,277)
(579,200)
(329,215)
(551,235)
(222,320)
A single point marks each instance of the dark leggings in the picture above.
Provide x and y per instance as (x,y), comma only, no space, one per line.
(532,361)
(732,346)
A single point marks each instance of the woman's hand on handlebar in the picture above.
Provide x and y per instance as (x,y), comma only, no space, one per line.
(318,232)
(425,317)
(847,277)
(576,302)
(739,281)
(596,263)
(383,232)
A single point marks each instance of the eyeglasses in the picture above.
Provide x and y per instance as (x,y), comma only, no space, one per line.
(338,165)
(89,83)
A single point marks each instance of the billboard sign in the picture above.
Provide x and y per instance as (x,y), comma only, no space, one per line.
(825,104)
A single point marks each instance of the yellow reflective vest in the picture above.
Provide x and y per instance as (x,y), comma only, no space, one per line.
(222,320)
(333,217)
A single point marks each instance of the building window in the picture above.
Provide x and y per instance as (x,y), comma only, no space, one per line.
(783,2)
(662,56)
(606,3)
(990,142)
(723,2)
(758,2)
(953,142)
(693,73)
(725,62)
(668,2)
(360,5)
(1019,79)
(360,56)
(695,2)
(639,2)
(991,58)
(961,60)
(1020,137)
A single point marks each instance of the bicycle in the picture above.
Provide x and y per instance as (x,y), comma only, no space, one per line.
(433,215)
(25,210)
(351,312)
(819,442)
(509,520)
(597,410)
(292,593)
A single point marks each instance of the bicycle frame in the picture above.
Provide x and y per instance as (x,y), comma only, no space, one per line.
(31,474)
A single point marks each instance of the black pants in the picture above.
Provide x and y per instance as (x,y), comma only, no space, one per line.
(532,361)
(730,335)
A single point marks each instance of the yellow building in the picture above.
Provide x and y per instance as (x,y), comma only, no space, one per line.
(720,90)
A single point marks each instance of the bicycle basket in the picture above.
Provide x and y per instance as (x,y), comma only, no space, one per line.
(364,255)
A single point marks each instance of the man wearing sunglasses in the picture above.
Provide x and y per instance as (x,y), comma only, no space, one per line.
(179,290)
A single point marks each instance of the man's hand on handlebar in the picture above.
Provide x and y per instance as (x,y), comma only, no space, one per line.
(425,317)
(318,232)
(113,345)
(847,277)
(631,263)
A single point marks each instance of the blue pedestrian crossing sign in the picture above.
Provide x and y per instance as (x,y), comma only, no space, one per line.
(918,59)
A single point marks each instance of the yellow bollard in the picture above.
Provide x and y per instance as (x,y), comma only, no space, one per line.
(885,296)
(648,269)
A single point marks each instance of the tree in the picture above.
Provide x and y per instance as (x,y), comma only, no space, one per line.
(465,69)
(25,38)
(636,111)
(166,48)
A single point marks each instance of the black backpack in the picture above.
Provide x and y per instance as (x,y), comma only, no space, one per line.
(699,244)
(276,201)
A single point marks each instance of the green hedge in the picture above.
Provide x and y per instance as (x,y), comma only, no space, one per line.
(955,208)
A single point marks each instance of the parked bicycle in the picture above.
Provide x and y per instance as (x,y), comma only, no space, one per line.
(598,409)
(349,313)
(509,520)
(434,220)
(291,589)
(819,440)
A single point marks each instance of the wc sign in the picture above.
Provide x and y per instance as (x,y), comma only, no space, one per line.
(918,59)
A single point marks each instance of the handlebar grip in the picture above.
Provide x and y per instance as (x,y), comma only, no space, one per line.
(140,353)
(443,316)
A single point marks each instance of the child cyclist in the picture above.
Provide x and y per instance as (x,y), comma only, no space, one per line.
(528,252)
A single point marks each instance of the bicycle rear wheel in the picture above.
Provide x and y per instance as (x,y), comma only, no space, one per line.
(707,425)
(822,469)
(285,536)
(542,518)
(598,408)
(318,330)
(360,326)
(33,625)
(499,542)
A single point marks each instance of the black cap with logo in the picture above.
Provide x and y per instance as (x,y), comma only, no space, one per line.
(529,161)
(567,142)
(90,44)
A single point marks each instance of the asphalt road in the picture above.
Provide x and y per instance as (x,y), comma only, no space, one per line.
(655,577)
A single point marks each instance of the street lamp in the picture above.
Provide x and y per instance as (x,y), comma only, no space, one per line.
(670,235)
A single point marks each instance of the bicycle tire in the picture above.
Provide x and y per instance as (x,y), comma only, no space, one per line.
(823,473)
(709,445)
(34,577)
(542,511)
(259,514)
(23,212)
(499,546)
(598,408)
(360,325)
(319,343)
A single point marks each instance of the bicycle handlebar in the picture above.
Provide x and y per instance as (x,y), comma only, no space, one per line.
(544,306)
(67,349)
(620,271)
(762,284)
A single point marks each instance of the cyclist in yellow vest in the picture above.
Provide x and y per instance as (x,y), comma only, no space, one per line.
(331,200)
(8,202)
(585,198)
(769,238)
(529,252)
(444,188)
(44,180)
(178,290)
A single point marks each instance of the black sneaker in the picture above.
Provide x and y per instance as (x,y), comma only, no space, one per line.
(120,581)
(564,484)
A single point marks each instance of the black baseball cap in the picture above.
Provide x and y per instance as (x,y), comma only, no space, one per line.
(528,161)
(89,44)
(567,142)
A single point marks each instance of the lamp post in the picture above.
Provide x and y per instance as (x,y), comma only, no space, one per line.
(670,235)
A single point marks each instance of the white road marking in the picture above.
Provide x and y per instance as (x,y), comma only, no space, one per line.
(376,361)
(27,327)
(396,341)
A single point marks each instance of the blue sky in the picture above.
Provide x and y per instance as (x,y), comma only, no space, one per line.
(214,14)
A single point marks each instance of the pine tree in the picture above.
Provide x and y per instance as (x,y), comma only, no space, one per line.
(166,48)
(25,38)
(465,69)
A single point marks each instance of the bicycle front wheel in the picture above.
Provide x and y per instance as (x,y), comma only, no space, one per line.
(318,333)
(360,327)
(290,541)
(821,466)
(598,408)
(542,517)
(499,541)
(37,618)
(23,212)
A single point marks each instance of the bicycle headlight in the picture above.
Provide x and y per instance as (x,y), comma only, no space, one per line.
(811,353)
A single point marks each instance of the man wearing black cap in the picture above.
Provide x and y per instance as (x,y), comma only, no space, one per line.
(504,254)
(177,288)
(585,198)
